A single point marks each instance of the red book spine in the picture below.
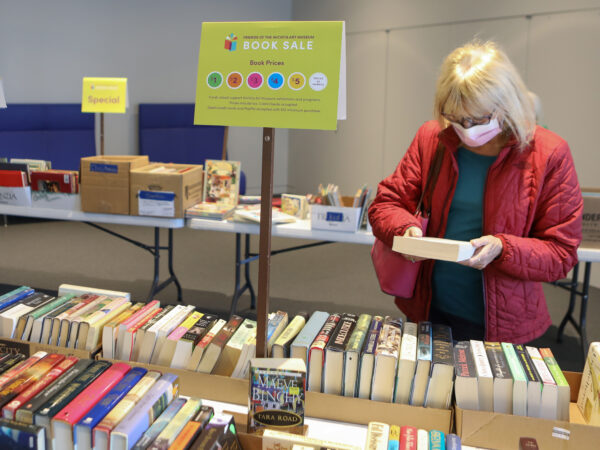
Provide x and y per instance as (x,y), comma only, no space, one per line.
(13,178)
(54,181)
(21,367)
(10,410)
(408,438)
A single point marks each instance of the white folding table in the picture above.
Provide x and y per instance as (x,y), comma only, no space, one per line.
(93,219)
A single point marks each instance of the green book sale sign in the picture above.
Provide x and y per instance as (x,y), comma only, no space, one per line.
(272,74)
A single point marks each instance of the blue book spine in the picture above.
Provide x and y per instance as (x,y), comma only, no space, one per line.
(13,292)
(156,400)
(110,400)
(452,442)
(309,332)
(436,440)
(8,301)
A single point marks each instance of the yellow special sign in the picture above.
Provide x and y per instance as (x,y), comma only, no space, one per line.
(271,74)
(104,95)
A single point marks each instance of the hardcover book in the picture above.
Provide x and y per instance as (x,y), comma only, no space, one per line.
(26,412)
(20,367)
(352,355)
(68,322)
(306,336)
(333,368)
(386,360)
(9,317)
(316,355)
(277,393)
(441,379)
(48,320)
(159,424)
(367,359)
(131,428)
(11,361)
(465,385)
(407,362)
(281,347)
(35,320)
(83,429)
(216,346)
(503,381)
(534,384)
(191,431)
(103,429)
(222,181)
(64,421)
(424,351)
(12,297)
(174,427)
(17,435)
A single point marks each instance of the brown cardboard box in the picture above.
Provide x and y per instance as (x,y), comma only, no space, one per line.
(105,182)
(322,406)
(591,218)
(503,431)
(10,345)
(185,183)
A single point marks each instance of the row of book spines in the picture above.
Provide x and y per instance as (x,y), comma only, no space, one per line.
(395,437)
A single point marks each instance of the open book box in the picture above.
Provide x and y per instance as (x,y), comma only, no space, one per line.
(321,406)
(591,217)
(503,431)
(29,348)
(105,182)
(165,190)
(336,218)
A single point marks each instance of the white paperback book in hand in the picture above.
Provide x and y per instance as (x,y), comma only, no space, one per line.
(433,248)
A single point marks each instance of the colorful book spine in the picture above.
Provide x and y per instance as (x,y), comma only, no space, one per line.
(192,429)
(408,438)
(34,330)
(9,411)
(83,429)
(14,296)
(21,367)
(130,337)
(148,409)
(174,427)
(26,412)
(200,328)
(437,440)
(159,424)
(394,438)
(227,331)
(185,326)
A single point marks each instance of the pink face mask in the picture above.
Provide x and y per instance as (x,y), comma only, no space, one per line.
(477,135)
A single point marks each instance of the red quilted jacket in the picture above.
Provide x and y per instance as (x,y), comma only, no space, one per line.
(532,202)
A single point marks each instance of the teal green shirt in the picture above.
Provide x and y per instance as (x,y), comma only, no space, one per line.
(458,289)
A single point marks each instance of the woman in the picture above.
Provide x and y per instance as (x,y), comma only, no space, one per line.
(506,185)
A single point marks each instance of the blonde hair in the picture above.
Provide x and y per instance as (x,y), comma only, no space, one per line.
(478,79)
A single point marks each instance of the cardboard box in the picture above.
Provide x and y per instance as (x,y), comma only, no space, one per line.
(503,431)
(29,348)
(336,218)
(165,194)
(105,182)
(321,406)
(591,218)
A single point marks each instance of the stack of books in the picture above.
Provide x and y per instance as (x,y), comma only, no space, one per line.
(510,379)
(50,401)
(383,436)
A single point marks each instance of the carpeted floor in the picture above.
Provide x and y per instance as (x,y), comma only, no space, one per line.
(334,277)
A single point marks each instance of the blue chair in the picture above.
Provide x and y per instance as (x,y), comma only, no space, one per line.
(59,133)
(167,134)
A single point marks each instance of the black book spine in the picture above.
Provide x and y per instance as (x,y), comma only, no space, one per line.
(10,362)
(200,328)
(442,345)
(497,360)
(464,365)
(526,363)
(343,331)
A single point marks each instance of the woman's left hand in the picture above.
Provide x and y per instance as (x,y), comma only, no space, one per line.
(488,248)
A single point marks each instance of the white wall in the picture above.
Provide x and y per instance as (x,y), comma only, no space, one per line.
(394,51)
(46,47)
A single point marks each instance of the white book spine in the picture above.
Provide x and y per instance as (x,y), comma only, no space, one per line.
(482,363)
(540,366)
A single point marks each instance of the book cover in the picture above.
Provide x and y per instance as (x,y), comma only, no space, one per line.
(83,428)
(424,351)
(386,360)
(519,380)
(11,361)
(377,436)
(408,438)
(64,181)
(26,412)
(316,353)
(503,381)
(131,428)
(333,367)
(16,435)
(301,345)
(295,205)
(9,411)
(191,431)
(281,347)
(159,424)
(564,390)
(465,385)
(200,348)
(441,375)
(230,354)
(174,427)
(352,355)
(407,362)
(277,393)
(367,359)
(222,181)
(103,429)
(214,349)
(191,338)
(394,437)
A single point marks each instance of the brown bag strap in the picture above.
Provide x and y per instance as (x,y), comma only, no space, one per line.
(432,177)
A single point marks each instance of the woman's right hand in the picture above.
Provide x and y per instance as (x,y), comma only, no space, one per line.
(413,232)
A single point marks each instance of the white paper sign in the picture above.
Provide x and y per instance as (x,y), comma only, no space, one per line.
(161,204)
(17,196)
